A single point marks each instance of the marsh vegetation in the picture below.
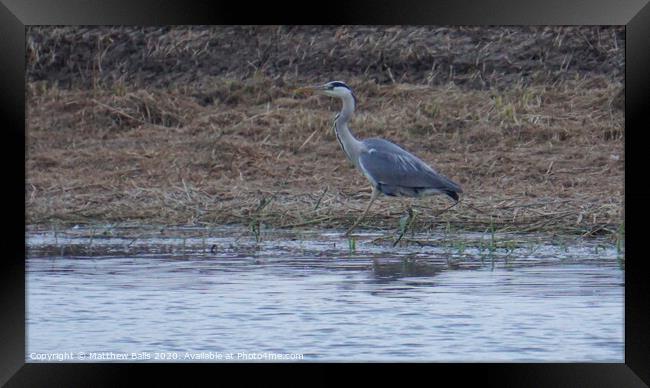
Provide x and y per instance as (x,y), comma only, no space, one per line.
(199,126)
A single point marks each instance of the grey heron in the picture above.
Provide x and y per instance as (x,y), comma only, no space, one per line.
(391,170)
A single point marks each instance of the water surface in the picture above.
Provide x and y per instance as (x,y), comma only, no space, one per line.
(218,294)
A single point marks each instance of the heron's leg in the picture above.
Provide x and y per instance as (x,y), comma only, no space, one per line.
(449,207)
(405,223)
(375,193)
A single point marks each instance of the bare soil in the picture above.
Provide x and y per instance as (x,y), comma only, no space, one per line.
(200,125)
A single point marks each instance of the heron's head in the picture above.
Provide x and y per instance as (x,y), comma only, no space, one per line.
(333,89)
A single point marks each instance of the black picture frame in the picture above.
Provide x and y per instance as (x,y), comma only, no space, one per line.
(15,15)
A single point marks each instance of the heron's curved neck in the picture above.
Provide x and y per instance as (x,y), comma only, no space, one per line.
(351,146)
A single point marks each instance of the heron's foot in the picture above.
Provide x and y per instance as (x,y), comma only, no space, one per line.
(374,195)
(405,223)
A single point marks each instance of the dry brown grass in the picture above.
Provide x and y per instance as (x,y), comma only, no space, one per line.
(542,157)
(474,57)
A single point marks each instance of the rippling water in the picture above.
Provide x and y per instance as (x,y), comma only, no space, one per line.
(309,296)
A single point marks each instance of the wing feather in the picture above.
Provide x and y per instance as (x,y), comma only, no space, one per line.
(388,164)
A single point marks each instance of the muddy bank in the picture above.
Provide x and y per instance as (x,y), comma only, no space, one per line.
(537,145)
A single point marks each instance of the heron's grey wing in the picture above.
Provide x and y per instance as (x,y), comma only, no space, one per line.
(398,172)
